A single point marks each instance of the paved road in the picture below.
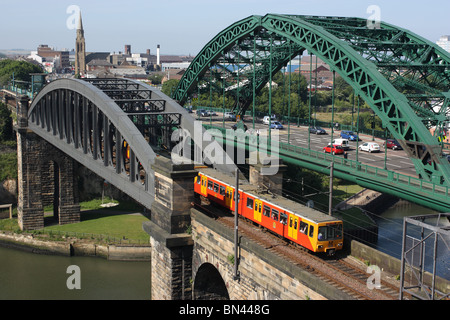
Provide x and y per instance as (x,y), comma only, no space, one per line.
(396,160)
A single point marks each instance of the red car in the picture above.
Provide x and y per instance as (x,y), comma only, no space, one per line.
(393,144)
(336,149)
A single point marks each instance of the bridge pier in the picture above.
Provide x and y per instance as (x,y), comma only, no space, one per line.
(273,181)
(45,176)
(170,239)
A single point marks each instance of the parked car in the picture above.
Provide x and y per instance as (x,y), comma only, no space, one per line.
(276,125)
(336,149)
(342,142)
(317,130)
(370,147)
(393,144)
(229,116)
(350,135)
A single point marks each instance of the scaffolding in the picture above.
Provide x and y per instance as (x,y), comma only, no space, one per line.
(428,231)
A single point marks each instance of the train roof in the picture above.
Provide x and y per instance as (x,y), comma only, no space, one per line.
(275,200)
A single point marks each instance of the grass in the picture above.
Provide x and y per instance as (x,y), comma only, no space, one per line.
(97,223)
(105,224)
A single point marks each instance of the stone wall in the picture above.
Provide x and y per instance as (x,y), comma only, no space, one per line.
(263,274)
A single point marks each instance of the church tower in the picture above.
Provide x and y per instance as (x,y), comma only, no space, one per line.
(80,50)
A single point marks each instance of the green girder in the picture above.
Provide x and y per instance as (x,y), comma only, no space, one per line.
(404,78)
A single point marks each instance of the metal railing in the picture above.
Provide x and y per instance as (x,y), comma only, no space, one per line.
(375,173)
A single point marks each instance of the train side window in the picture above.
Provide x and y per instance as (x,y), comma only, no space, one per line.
(303,227)
(290,222)
(222,190)
(210,185)
(311,231)
(216,187)
(295,224)
(250,203)
(266,211)
(259,208)
(275,214)
(199,179)
(283,218)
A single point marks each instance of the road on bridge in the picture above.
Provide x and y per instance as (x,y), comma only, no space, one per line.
(396,160)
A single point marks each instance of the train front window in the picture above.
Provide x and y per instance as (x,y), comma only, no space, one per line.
(330,232)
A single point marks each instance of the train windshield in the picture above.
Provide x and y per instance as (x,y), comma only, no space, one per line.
(330,232)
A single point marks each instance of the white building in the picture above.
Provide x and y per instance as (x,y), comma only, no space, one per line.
(444,42)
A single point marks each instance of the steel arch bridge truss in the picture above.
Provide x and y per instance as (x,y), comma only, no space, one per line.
(404,78)
(109,126)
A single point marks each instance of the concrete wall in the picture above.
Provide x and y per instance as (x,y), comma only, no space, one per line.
(72,248)
(390,264)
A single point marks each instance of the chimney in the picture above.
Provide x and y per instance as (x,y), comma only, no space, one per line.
(157,55)
(128,49)
(148,51)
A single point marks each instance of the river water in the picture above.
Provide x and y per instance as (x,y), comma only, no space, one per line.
(390,236)
(29,276)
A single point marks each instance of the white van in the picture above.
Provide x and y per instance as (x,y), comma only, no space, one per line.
(342,142)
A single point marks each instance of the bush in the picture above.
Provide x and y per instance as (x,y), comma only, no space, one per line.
(6,125)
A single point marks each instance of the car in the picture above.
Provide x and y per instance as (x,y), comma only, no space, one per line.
(341,142)
(229,116)
(276,125)
(370,147)
(350,135)
(317,130)
(336,149)
(200,112)
(393,144)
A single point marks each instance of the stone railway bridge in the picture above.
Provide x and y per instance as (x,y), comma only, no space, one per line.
(121,129)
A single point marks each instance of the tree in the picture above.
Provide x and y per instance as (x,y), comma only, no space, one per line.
(20,69)
(6,131)
(155,78)
(169,86)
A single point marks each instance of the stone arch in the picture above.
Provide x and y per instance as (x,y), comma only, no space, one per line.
(209,284)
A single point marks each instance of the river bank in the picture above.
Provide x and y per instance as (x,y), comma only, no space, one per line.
(75,247)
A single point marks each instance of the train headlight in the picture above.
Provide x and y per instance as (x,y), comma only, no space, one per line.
(340,244)
(319,247)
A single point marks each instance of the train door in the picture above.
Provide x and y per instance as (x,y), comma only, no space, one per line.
(229,197)
(203,188)
(257,210)
(293,226)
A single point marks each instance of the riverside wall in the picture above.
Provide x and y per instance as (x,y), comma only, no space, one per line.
(118,252)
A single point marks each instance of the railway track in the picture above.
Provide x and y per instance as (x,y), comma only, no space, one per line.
(337,272)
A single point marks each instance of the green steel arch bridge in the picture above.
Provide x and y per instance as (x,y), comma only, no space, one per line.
(404,78)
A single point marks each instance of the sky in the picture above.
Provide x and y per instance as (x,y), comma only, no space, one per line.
(184,27)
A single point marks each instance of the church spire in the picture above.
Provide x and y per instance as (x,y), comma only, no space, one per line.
(80,25)
(80,50)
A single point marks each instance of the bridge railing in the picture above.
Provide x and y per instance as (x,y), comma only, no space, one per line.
(300,153)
